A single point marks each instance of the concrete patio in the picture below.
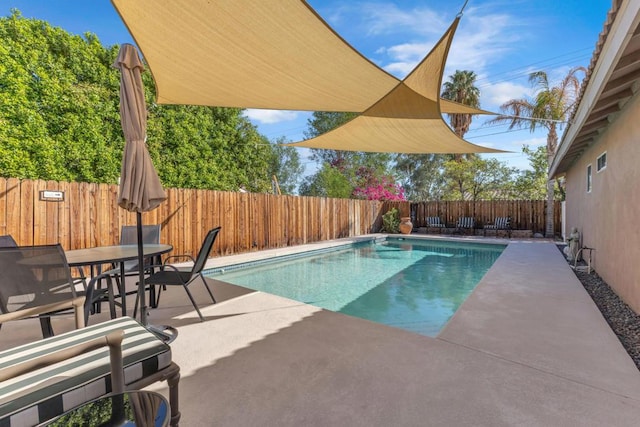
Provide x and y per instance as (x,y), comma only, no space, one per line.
(527,348)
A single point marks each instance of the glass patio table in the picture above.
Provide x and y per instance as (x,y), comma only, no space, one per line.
(130,408)
(116,254)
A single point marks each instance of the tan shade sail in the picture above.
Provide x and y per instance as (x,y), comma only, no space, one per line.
(276,54)
(383,135)
(408,119)
(279,54)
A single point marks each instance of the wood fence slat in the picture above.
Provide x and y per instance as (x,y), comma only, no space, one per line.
(12,212)
(39,213)
(28,232)
(50,229)
(64,217)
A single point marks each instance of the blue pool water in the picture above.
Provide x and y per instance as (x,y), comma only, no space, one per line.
(416,285)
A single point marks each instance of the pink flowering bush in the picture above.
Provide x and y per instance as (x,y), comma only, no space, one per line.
(382,188)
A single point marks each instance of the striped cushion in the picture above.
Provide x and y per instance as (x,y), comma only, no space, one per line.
(434,221)
(50,391)
(466,222)
(501,223)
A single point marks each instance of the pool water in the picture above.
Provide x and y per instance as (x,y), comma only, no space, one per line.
(416,285)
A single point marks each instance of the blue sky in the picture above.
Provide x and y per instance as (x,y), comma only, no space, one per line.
(500,40)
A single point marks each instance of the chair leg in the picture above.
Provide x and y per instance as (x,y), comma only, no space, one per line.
(174,400)
(81,278)
(111,298)
(193,301)
(135,304)
(152,296)
(45,325)
(160,289)
(87,312)
(207,286)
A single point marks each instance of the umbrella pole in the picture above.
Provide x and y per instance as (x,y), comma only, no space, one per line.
(165,332)
(141,294)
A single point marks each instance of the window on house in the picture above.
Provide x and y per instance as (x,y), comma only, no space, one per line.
(589,179)
(601,162)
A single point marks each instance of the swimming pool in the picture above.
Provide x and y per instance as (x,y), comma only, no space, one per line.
(416,285)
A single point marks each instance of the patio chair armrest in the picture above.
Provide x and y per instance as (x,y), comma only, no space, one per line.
(76,303)
(170,266)
(112,340)
(165,264)
(91,287)
(178,256)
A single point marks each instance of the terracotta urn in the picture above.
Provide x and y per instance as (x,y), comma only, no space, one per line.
(405,225)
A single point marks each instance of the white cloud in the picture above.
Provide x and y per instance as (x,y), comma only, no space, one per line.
(409,52)
(271,116)
(494,95)
(387,18)
(480,41)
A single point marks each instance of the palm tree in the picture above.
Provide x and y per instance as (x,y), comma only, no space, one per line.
(461,88)
(550,108)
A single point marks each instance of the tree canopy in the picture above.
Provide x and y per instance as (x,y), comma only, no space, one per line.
(550,108)
(59,118)
(348,173)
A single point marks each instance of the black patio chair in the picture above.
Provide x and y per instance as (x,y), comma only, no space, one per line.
(128,236)
(170,275)
(36,282)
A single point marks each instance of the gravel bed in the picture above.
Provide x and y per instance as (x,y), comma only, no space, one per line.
(622,319)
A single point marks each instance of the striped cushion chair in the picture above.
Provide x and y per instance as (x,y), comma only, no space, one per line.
(70,378)
(466,222)
(500,223)
(434,221)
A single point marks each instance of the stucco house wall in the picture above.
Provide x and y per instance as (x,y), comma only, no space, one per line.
(609,216)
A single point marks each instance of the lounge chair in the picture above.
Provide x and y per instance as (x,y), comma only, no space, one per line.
(170,275)
(36,282)
(465,223)
(500,223)
(434,222)
(43,379)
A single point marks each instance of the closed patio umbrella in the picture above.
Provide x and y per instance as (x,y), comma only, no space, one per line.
(140,188)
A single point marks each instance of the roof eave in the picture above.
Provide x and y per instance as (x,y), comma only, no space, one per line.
(617,36)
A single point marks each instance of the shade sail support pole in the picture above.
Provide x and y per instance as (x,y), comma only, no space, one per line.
(462,9)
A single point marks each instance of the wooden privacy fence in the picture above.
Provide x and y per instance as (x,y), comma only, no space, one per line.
(89,216)
(525,214)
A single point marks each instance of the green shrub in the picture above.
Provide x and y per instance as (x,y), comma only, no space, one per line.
(391,221)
